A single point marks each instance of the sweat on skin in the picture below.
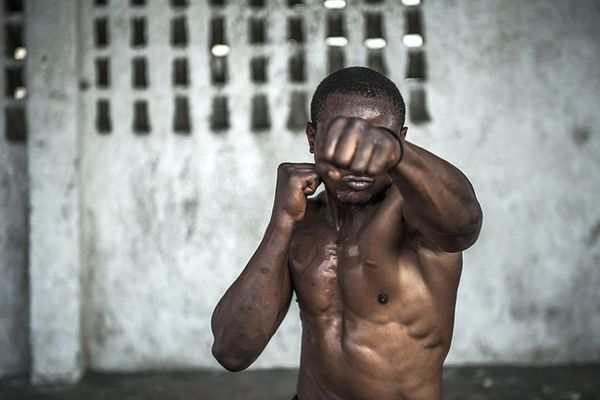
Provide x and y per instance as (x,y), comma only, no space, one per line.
(375,259)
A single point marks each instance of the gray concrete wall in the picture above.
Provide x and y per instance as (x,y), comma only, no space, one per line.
(169,220)
(14,313)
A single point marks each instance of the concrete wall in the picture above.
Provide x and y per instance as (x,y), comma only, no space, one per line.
(168,220)
(14,313)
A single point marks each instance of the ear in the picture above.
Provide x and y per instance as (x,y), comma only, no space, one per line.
(311,131)
(403,132)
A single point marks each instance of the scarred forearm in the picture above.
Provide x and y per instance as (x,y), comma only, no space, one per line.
(439,201)
(256,303)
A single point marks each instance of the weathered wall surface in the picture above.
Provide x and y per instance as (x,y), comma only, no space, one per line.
(14,313)
(14,352)
(168,220)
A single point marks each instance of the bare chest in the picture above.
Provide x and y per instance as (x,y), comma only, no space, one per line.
(362,272)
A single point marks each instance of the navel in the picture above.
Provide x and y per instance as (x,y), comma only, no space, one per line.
(382,298)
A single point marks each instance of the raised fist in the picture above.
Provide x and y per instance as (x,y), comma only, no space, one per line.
(295,181)
(355,145)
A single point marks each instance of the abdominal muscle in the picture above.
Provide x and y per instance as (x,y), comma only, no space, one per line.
(345,357)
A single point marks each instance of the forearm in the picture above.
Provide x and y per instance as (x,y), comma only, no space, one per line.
(254,305)
(439,201)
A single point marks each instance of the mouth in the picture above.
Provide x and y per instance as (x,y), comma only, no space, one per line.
(357,182)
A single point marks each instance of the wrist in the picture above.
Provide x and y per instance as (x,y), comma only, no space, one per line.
(401,144)
(282,221)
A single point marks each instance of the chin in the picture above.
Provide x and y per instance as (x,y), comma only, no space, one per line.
(353,197)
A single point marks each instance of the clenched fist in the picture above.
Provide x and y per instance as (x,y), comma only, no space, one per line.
(295,181)
(355,145)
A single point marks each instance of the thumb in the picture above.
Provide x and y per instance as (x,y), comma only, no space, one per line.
(326,169)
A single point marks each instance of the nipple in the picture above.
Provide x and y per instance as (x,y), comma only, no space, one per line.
(382,298)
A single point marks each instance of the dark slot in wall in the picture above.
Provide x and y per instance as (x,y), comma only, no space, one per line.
(179,33)
(376,61)
(336,59)
(298,116)
(217,3)
(413,21)
(13,6)
(260,113)
(257,30)
(218,70)
(137,3)
(102,72)
(103,119)
(13,80)
(296,67)
(295,30)
(217,31)
(258,69)
(101,35)
(141,120)
(295,3)
(100,3)
(219,119)
(181,72)
(139,71)
(181,117)
(256,3)
(138,32)
(416,65)
(179,3)
(15,124)
(417,106)
(13,38)
(374,25)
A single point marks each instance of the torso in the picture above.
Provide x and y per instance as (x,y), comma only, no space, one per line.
(377,306)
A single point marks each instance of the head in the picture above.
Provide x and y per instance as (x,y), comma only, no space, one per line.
(357,92)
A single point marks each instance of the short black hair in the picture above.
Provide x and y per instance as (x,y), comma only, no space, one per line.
(356,80)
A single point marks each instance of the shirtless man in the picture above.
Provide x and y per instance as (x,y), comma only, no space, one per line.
(375,259)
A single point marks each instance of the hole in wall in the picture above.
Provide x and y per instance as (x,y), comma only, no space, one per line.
(139,70)
(138,32)
(137,3)
(413,36)
(141,121)
(101,36)
(298,115)
(336,31)
(179,3)
(258,69)
(417,106)
(217,43)
(14,82)
(15,124)
(374,32)
(181,117)
(100,3)
(256,3)
(416,69)
(180,72)
(260,113)
(13,6)
(103,120)
(217,3)
(102,72)
(257,30)
(218,70)
(13,40)
(296,67)
(375,60)
(336,59)
(295,30)
(179,34)
(295,3)
(219,119)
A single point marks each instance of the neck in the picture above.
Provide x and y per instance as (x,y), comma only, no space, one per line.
(342,214)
